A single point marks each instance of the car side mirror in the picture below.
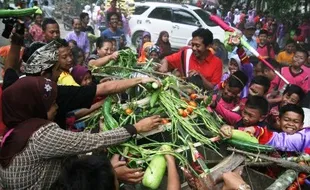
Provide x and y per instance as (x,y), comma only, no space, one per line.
(197,23)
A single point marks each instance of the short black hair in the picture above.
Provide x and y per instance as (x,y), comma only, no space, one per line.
(75,53)
(28,51)
(290,41)
(259,103)
(62,42)
(205,34)
(272,62)
(72,41)
(36,14)
(295,89)
(302,50)
(83,15)
(47,21)
(237,80)
(263,81)
(263,31)
(45,3)
(87,172)
(73,19)
(293,108)
(35,3)
(112,14)
(100,41)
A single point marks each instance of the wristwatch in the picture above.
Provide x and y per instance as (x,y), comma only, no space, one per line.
(244,186)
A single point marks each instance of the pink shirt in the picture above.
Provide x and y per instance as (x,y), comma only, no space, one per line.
(263,51)
(301,79)
(36,33)
(307,70)
(274,84)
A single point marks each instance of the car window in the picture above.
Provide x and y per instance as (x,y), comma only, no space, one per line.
(161,13)
(139,10)
(205,16)
(184,17)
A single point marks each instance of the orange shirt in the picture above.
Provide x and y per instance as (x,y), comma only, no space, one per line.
(211,68)
(284,57)
(4,51)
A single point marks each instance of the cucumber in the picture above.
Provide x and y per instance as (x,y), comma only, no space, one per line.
(155,172)
(243,136)
(109,121)
(250,146)
(5,13)
(154,98)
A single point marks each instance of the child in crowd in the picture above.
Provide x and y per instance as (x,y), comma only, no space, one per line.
(164,44)
(154,53)
(298,37)
(258,26)
(82,75)
(263,47)
(293,94)
(228,95)
(292,139)
(72,44)
(295,73)
(253,114)
(239,61)
(258,87)
(286,57)
(78,56)
(271,39)
(143,58)
(65,63)
(104,49)
(114,44)
(122,43)
(146,37)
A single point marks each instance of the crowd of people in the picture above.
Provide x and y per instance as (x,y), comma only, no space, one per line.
(48,85)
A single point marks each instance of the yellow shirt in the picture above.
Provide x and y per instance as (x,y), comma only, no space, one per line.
(66,79)
(284,57)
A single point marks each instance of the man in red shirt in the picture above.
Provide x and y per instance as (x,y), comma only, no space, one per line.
(196,61)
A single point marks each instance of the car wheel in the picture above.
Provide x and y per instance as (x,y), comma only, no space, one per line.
(136,38)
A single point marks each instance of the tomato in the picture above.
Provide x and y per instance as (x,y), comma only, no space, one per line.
(303,175)
(293,187)
(185,113)
(193,96)
(128,111)
(189,109)
(192,103)
(164,121)
(180,112)
(301,180)
(184,99)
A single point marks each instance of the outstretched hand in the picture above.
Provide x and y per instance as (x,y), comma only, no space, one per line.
(148,124)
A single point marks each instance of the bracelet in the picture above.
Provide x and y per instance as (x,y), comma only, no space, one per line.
(244,186)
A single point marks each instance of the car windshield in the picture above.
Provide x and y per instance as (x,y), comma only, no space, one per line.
(205,16)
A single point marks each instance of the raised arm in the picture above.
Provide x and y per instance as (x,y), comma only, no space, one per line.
(117,86)
(50,141)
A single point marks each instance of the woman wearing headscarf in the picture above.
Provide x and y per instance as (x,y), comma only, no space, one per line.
(34,148)
(154,53)
(142,59)
(146,37)
(164,44)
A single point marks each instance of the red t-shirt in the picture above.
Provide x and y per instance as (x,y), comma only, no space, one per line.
(211,68)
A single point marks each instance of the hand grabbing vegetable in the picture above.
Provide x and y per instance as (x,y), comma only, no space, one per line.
(250,130)
(124,173)
(226,131)
(148,124)
(114,56)
(145,80)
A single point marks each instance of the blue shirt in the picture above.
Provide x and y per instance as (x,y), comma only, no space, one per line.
(107,33)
